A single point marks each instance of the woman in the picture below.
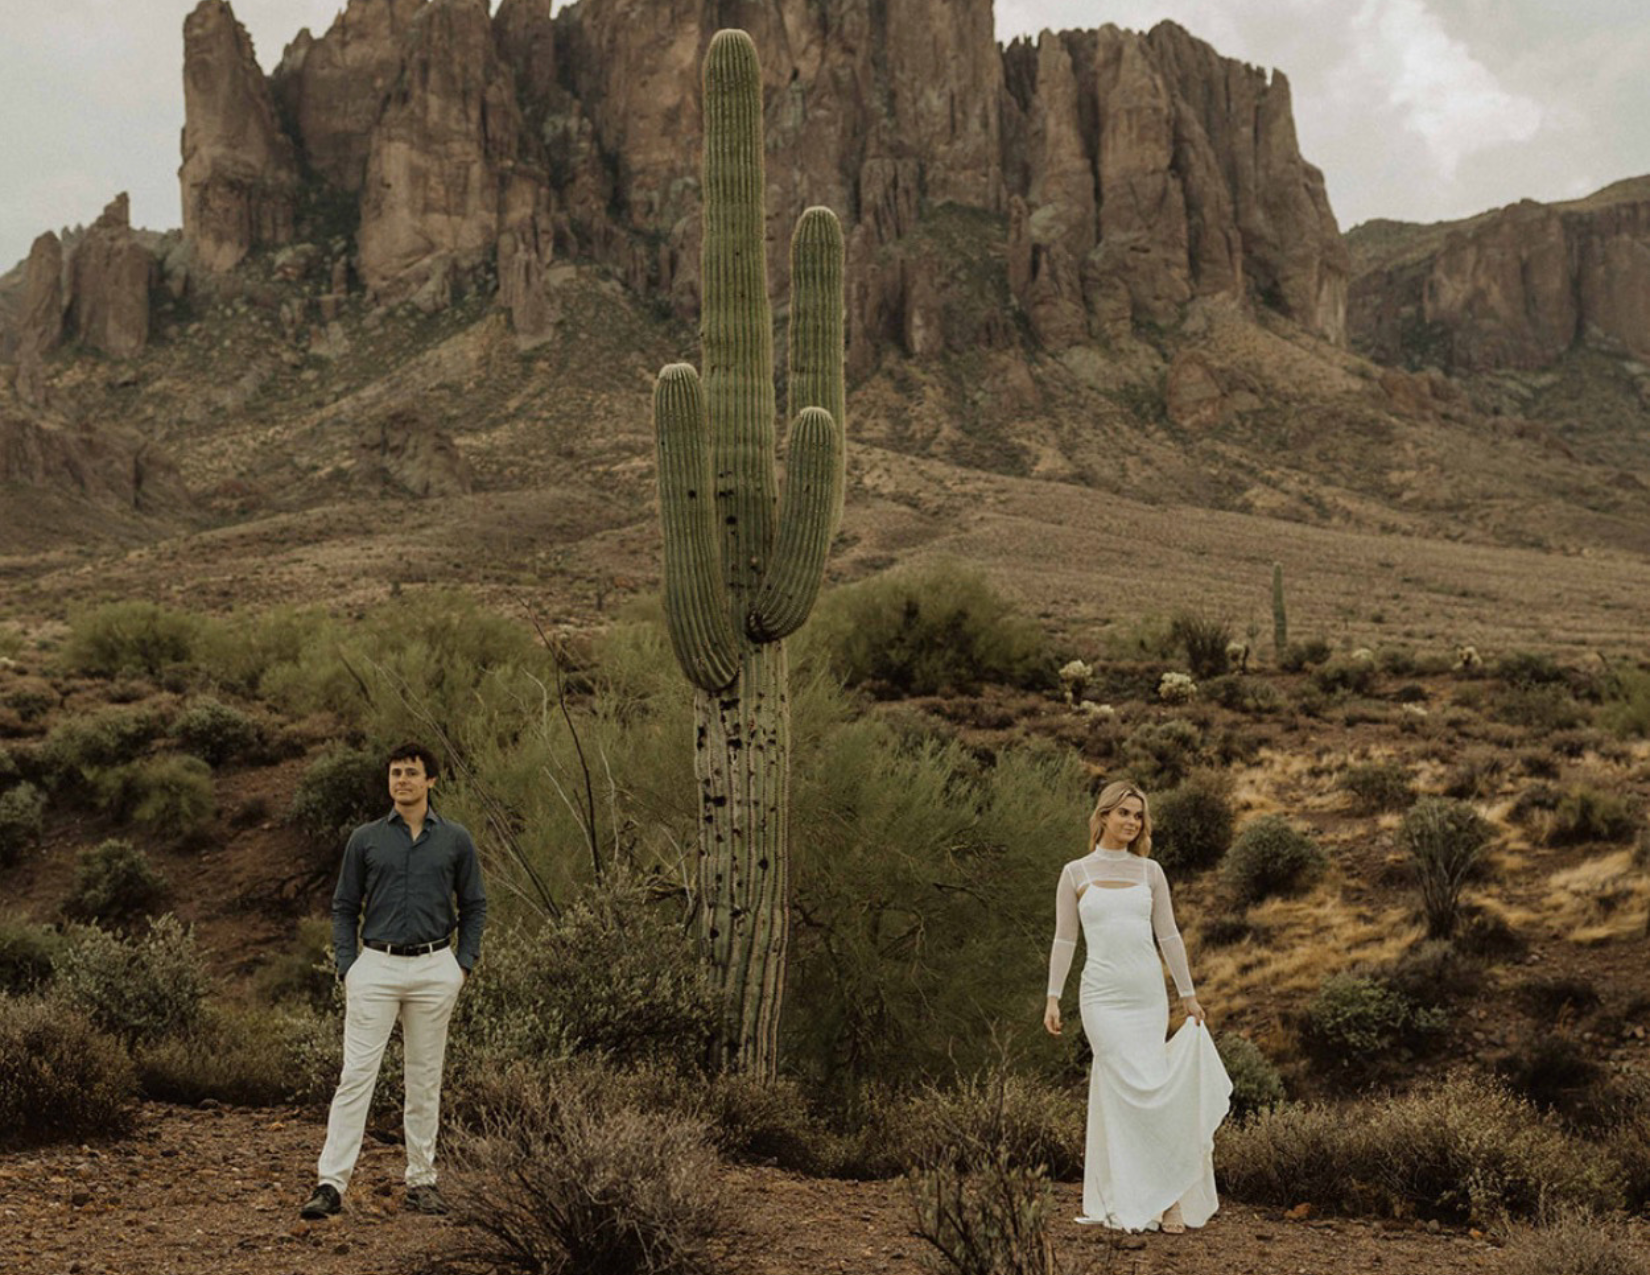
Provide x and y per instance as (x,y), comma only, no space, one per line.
(1153,1106)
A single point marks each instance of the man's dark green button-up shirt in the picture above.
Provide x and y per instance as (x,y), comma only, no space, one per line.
(402,891)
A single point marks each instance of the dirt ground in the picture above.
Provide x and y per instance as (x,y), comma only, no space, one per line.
(216,1192)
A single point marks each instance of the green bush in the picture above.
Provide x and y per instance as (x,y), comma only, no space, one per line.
(1586,814)
(60,1078)
(1256,1084)
(1298,656)
(130,637)
(1378,785)
(928,631)
(171,794)
(1160,754)
(1345,676)
(304,972)
(31,698)
(1477,775)
(1205,641)
(1626,707)
(26,956)
(612,976)
(1460,1150)
(1356,1022)
(241,1057)
(22,821)
(1528,668)
(339,790)
(1028,1121)
(1445,840)
(1192,824)
(1271,857)
(80,749)
(1543,708)
(140,989)
(115,884)
(559,1175)
(215,732)
(1248,695)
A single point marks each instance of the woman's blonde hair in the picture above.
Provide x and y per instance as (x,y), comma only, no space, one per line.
(1112,796)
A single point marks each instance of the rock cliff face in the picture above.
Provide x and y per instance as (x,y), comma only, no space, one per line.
(1116,175)
(239,174)
(110,277)
(1515,288)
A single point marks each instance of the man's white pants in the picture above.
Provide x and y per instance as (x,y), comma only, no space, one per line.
(378,990)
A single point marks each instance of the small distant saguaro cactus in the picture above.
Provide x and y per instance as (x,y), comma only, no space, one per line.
(742,568)
(1280,617)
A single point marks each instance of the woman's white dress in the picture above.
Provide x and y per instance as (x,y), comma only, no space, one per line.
(1154,1105)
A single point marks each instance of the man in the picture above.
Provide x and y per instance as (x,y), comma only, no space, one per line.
(400,877)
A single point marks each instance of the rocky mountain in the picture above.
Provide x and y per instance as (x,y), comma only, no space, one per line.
(1515,288)
(1120,174)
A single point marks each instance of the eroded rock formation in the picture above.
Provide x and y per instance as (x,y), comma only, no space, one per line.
(1515,288)
(110,276)
(240,172)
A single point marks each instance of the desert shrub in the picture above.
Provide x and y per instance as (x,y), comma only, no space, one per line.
(1298,656)
(1225,930)
(1026,1119)
(1345,676)
(1574,1242)
(1459,1150)
(927,631)
(1192,824)
(60,1078)
(1551,1069)
(1586,814)
(313,1048)
(141,988)
(235,1056)
(1378,785)
(1528,668)
(26,956)
(1544,707)
(130,637)
(1243,694)
(31,698)
(215,732)
(22,821)
(980,1206)
(1550,998)
(1356,1022)
(1477,774)
(1434,972)
(115,883)
(171,794)
(1445,839)
(1271,857)
(303,972)
(1256,1084)
(612,976)
(768,1121)
(1626,707)
(80,749)
(1205,640)
(560,1177)
(1536,800)
(1160,754)
(340,789)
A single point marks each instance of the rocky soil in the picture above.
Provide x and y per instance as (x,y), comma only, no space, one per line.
(216,1192)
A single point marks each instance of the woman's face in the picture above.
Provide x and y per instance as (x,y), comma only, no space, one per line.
(1123,821)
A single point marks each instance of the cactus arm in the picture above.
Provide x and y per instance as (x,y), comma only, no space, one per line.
(704,641)
(736,321)
(816,337)
(812,493)
(1280,616)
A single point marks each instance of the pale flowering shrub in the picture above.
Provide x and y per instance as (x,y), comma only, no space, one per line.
(1074,677)
(1176,688)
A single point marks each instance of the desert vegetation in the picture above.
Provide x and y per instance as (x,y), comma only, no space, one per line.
(1416,931)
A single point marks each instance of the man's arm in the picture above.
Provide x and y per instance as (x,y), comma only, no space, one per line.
(346,903)
(472,905)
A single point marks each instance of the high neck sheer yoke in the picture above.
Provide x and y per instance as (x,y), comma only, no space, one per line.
(1112,870)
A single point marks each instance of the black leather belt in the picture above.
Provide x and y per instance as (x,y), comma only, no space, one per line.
(409,949)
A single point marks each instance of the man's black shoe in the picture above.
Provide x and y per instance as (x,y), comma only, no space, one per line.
(425,1199)
(324,1203)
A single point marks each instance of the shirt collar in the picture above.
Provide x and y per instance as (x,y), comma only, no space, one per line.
(430,817)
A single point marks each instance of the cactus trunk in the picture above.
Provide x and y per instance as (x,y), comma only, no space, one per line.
(741,569)
(1280,617)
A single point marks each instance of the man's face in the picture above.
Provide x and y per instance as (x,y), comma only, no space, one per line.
(408,783)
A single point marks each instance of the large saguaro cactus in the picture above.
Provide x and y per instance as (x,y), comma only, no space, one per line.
(741,574)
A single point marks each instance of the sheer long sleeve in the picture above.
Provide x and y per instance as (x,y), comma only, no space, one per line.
(1065,933)
(1169,941)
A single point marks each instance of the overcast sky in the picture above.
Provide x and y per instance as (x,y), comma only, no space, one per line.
(1415,109)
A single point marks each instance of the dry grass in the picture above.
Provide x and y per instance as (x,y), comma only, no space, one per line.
(1599,901)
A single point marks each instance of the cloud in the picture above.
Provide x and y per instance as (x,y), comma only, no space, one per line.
(1441,91)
